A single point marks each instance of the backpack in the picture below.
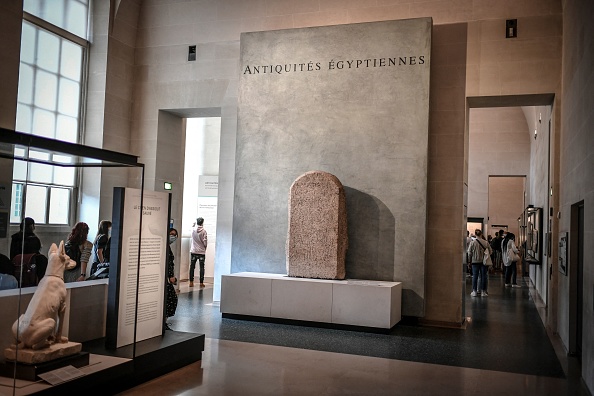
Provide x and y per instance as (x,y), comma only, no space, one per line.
(100,270)
(496,244)
(29,267)
(486,256)
(73,251)
(511,255)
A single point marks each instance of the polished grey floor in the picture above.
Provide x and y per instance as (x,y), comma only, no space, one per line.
(504,349)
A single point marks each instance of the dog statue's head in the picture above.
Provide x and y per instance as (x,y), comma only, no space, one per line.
(58,260)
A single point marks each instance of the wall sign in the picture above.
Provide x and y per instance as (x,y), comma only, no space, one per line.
(351,100)
(149,272)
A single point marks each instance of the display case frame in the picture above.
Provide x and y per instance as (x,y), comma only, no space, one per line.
(16,146)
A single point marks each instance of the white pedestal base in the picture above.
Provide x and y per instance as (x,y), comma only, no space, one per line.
(349,302)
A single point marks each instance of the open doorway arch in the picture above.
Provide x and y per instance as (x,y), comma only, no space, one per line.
(171,149)
(494,152)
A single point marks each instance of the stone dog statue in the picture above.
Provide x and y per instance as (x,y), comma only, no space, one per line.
(41,325)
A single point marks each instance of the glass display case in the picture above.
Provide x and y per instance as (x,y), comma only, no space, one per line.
(531,238)
(98,331)
(52,193)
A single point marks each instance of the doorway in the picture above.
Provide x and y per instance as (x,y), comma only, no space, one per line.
(474,223)
(200,196)
(576,280)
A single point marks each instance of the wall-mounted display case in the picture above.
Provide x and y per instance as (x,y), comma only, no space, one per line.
(531,236)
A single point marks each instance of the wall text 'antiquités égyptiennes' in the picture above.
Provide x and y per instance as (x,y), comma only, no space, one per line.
(334,65)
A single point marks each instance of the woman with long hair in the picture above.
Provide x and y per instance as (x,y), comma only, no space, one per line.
(510,252)
(78,249)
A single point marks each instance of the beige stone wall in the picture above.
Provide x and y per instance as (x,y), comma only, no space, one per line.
(109,104)
(499,145)
(446,223)
(506,202)
(577,164)
(527,64)
(541,178)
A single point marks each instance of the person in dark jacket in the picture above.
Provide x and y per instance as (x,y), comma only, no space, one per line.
(496,246)
(100,252)
(25,241)
(171,294)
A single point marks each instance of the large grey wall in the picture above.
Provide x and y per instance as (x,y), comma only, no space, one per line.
(352,100)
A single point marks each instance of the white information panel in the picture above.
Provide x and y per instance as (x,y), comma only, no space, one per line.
(208,189)
(208,186)
(152,266)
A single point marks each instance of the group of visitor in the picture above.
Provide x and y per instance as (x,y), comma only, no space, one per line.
(482,254)
(26,264)
(97,254)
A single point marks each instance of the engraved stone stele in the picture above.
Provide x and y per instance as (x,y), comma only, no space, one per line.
(317,237)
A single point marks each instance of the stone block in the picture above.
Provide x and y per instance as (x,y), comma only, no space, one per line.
(317,238)
(247,296)
(35,356)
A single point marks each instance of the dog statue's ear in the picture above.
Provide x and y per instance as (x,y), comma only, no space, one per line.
(62,250)
(52,249)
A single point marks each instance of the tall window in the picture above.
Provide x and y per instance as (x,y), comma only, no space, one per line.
(51,84)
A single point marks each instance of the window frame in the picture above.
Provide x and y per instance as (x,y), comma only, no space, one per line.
(74,190)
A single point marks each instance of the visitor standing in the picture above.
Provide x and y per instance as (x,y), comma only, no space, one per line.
(510,254)
(476,251)
(198,250)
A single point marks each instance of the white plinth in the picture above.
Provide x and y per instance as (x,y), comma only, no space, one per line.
(350,302)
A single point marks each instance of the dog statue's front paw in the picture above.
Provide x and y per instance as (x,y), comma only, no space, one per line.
(63,339)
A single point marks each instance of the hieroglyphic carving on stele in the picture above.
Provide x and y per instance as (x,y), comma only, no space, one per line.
(317,238)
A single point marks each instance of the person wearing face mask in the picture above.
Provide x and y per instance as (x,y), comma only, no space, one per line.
(171,295)
(101,246)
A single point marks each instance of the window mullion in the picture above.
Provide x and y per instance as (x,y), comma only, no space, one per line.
(55,29)
(47,203)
